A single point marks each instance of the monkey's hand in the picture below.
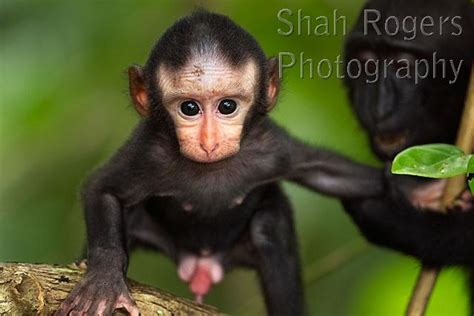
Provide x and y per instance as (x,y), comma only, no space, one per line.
(99,293)
(463,203)
(429,196)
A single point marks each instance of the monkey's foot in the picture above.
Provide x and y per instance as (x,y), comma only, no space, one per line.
(98,296)
(200,273)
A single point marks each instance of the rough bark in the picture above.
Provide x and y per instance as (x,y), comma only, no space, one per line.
(38,289)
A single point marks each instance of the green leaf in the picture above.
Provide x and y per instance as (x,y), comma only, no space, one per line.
(470,167)
(431,161)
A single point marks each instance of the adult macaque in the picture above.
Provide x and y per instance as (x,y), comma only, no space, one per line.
(199,178)
(398,113)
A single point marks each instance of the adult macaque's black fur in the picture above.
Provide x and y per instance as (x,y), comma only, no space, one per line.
(426,113)
(238,212)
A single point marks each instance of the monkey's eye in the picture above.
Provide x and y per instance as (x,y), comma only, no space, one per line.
(227,107)
(190,108)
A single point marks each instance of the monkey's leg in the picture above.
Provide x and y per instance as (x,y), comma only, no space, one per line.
(144,232)
(103,287)
(278,263)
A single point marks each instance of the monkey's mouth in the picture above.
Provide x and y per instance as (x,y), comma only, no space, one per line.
(392,142)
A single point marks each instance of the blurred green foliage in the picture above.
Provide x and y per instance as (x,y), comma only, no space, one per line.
(64,109)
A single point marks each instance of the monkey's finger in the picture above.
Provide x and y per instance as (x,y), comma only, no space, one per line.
(82,303)
(67,305)
(132,310)
(81,307)
(464,203)
(467,196)
(461,206)
(99,307)
(128,304)
(62,310)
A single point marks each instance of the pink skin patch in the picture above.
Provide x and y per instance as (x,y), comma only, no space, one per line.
(187,207)
(125,303)
(122,302)
(430,196)
(201,273)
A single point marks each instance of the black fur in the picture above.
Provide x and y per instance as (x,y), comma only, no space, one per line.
(136,199)
(431,112)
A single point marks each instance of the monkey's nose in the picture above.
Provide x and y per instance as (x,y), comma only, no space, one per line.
(209,147)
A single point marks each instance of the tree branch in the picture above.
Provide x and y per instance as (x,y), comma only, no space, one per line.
(39,289)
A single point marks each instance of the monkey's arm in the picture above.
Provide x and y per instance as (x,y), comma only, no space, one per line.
(434,238)
(103,288)
(106,198)
(332,174)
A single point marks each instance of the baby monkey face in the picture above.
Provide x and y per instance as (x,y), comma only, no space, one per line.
(208,100)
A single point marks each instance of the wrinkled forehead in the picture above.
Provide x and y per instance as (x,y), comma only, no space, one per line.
(211,74)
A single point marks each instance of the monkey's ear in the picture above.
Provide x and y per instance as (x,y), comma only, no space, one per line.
(138,93)
(273,83)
